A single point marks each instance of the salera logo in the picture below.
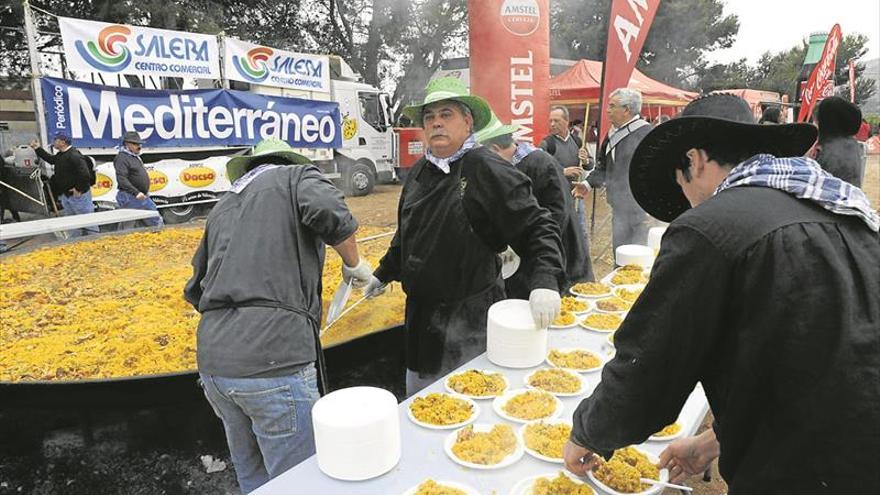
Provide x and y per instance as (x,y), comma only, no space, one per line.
(158,180)
(520,17)
(103,184)
(110,53)
(197,176)
(255,68)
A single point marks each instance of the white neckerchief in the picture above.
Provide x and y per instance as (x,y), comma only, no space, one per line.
(443,163)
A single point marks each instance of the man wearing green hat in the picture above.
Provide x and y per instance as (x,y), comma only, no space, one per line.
(257,284)
(460,206)
(551,188)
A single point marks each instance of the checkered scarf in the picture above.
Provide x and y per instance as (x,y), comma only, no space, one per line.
(443,163)
(803,178)
(242,182)
(522,150)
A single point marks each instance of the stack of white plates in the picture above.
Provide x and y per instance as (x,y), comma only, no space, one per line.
(357,433)
(634,254)
(511,337)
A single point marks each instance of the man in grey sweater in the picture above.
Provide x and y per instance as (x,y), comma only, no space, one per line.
(133,183)
(257,284)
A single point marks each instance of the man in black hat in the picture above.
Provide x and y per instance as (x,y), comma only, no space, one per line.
(132,181)
(837,151)
(765,290)
(72,180)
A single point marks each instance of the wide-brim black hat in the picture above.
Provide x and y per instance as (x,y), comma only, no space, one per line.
(710,119)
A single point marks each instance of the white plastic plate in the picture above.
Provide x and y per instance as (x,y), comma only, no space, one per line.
(499,402)
(569,349)
(664,476)
(581,391)
(476,397)
(483,428)
(524,486)
(451,484)
(475,413)
(522,436)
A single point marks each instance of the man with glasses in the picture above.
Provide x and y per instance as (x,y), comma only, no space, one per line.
(629,222)
(132,181)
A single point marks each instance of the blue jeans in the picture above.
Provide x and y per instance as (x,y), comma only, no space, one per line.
(126,200)
(78,206)
(268,422)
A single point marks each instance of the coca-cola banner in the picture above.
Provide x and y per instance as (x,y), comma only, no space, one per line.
(628,27)
(510,61)
(821,81)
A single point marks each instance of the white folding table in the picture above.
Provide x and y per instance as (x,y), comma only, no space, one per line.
(422,454)
(32,228)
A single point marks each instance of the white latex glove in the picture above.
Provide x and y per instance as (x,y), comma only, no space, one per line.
(545,305)
(374,288)
(359,276)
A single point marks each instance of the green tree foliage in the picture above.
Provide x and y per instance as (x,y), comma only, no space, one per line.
(779,71)
(682,33)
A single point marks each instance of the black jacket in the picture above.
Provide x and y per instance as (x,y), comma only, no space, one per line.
(131,176)
(550,187)
(71,171)
(773,304)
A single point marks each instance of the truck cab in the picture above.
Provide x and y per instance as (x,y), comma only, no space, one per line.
(367,153)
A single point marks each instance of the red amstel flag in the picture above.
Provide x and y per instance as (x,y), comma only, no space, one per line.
(822,73)
(628,27)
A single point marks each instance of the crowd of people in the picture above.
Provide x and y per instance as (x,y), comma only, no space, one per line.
(766,288)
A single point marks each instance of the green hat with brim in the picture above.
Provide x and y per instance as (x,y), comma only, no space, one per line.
(494,129)
(239,165)
(451,88)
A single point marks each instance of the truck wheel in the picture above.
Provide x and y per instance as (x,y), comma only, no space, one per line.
(179,214)
(359,180)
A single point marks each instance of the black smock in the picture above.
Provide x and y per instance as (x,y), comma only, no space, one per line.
(773,303)
(551,188)
(444,253)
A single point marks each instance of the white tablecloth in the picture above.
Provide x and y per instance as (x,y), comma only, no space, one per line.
(422,449)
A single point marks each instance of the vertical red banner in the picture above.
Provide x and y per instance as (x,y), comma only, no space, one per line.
(510,61)
(817,86)
(628,24)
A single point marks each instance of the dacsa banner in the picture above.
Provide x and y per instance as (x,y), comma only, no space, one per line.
(246,62)
(118,48)
(97,116)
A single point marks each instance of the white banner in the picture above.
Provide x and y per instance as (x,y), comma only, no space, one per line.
(118,48)
(243,61)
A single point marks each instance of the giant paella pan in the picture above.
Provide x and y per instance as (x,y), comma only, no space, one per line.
(108,311)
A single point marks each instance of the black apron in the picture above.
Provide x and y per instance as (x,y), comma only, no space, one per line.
(448,273)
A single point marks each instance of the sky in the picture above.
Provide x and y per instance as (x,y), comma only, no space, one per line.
(777,25)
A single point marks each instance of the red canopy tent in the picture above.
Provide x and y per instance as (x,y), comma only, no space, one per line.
(578,89)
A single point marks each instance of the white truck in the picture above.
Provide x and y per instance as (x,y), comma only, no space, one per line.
(184,183)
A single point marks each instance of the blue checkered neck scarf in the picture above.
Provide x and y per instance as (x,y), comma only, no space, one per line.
(803,178)
(522,150)
(443,163)
(242,182)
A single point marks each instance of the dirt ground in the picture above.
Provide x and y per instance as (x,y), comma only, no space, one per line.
(125,456)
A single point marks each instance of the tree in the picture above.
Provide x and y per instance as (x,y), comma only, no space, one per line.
(780,71)
(683,31)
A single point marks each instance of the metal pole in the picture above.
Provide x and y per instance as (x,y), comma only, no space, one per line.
(30,34)
(221,48)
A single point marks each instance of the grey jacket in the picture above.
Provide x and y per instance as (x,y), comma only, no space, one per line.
(131,176)
(257,272)
(612,171)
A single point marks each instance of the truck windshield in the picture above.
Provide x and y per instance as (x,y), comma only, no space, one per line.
(371,112)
